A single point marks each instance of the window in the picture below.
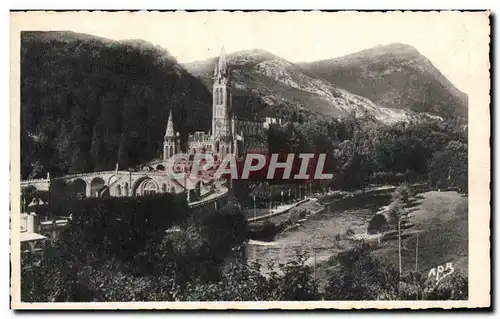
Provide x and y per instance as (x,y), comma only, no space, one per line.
(126,189)
(164,188)
(217,96)
(118,190)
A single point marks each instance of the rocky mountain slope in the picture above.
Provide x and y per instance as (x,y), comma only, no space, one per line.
(266,83)
(396,76)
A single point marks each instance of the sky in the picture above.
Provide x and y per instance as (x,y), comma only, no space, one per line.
(444,38)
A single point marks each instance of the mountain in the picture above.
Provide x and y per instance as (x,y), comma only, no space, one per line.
(268,84)
(396,76)
(89,102)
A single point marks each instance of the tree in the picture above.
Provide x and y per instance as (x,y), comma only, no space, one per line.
(403,193)
(449,167)
(361,276)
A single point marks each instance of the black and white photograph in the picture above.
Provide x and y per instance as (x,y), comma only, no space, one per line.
(257,157)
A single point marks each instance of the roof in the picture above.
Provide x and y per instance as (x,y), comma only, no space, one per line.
(26,236)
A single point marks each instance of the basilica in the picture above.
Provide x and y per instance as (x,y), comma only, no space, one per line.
(229,134)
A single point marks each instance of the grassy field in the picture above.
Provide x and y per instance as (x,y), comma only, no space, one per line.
(441,219)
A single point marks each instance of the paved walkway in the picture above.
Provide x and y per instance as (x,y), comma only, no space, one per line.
(278,211)
(223,192)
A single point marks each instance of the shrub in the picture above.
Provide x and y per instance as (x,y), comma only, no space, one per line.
(361,276)
(403,193)
(452,287)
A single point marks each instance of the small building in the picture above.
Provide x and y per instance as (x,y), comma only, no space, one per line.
(30,239)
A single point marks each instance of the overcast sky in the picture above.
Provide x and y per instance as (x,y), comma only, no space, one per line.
(445,39)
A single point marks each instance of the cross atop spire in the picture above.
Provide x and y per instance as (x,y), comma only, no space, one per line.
(170,125)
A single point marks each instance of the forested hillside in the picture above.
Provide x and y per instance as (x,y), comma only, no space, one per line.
(88,102)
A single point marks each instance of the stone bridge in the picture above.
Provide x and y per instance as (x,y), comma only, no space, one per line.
(126,183)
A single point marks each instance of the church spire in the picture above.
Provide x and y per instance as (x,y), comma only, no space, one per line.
(222,66)
(170,125)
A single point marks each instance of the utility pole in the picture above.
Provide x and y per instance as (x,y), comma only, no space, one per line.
(399,253)
(254,209)
(416,255)
(270,207)
(314,267)
(399,246)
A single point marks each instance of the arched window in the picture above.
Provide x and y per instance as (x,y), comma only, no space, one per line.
(172,189)
(171,151)
(149,188)
(118,190)
(217,96)
(126,189)
(164,188)
(221,98)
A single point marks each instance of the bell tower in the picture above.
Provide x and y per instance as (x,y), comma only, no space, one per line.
(170,145)
(221,103)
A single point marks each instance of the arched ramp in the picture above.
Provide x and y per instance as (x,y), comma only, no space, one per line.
(96,185)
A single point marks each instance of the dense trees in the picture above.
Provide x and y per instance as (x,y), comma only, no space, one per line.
(362,151)
(359,275)
(118,250)
(448,167)
(175,270)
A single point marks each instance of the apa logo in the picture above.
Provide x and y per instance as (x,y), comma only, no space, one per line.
(440,272)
